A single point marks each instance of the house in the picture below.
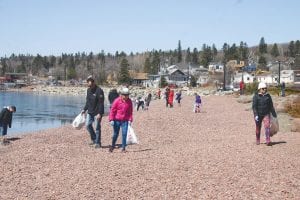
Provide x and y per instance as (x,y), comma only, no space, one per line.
(287,76)
(138,78)
(250,68)
(216,68)
(267,77)
(235,65)
(177,77)
(245,76)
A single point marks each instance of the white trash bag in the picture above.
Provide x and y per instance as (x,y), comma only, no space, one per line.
(131,136)
(274,126)
(79,121)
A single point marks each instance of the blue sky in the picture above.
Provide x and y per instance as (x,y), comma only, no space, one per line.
(52,27)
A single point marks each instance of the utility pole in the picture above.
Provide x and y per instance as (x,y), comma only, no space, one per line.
(224,78)
(279,72)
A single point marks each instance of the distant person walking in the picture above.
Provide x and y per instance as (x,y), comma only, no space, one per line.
(6,116)
(158,93)
(112,95)
(198,103)
(171,98)
(94,107)
(167,94)
(242,87)
(120,116)
(262,107)
(178,97)
(148,99)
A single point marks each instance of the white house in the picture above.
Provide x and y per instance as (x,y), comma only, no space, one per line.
(215,68)
(287,76)
(247,77)
(268,78)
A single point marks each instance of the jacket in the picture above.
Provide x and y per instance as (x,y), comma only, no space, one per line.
(113,94)
(262,105)
(121,110)
(6,117)
(94,101)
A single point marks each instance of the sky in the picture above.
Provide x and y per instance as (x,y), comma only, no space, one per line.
(53,27)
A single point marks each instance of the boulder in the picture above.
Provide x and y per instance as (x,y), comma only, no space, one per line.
(244,99)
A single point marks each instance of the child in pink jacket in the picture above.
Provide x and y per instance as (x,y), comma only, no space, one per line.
(120,116)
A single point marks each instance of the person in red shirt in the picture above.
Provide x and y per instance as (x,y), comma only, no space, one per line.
(242,87)
(171,98)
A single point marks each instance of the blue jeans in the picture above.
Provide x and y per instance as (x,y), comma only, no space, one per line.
(3,129)
(95,135)
(117,126)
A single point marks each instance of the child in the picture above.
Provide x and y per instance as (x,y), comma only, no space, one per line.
(5,121)
(197,104)
(178,97)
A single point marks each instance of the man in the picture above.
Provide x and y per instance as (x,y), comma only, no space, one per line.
(95,109)
(6,121)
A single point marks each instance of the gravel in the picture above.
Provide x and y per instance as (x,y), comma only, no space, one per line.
(180,155)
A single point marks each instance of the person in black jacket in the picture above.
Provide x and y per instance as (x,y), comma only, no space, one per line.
(94,108)
(6,121)
(112,95)
(262,107)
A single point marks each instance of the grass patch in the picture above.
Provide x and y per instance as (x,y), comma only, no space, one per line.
(294,108)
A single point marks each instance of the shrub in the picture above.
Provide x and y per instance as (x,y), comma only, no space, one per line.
(294,108)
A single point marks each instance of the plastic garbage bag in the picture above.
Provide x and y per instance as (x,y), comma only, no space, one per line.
(131,136)
(79,121)
(274,126)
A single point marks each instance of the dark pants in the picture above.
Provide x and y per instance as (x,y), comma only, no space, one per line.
(3,129)
(95,135)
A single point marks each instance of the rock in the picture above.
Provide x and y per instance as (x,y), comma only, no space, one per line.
(296,125)
(244,99)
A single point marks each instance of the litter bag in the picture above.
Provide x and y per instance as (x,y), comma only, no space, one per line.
(131,136)
(79,121)
(274,126)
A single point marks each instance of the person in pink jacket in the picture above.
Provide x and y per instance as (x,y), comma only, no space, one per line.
(120,116)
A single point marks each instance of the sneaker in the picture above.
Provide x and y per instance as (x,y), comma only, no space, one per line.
(97,146)
(91,143)
(111,149)
(269,144)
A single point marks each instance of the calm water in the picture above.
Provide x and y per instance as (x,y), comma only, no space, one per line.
(40,111)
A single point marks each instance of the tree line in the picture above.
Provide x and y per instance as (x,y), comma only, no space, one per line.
(100,65)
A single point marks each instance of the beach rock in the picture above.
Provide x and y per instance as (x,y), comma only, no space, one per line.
(244,99)
(295,125)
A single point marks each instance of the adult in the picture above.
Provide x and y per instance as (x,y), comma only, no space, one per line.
(112,95)
(94,108)
(6,121)
(158,93)
(171,98)
(262,107)
(166,95)
(242,87)
(148,99)
(178,97)
(120,116)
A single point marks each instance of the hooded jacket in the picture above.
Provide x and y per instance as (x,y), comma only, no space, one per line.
(262,105)
(121,110)
(6,117)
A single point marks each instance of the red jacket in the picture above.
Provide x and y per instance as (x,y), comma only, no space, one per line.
(171,97)
(121,110)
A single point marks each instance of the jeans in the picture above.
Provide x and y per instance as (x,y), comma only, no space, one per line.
(117,126)
(3,129)
(95,135)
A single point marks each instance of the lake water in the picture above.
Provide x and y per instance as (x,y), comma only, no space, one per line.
(40,111)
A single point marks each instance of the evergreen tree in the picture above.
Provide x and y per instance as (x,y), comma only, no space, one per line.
(292,49)
(124,77)
(263,46)
(155,63)
(243,51)
(274,51)
(214,51)
(147,66)
(206,55)
(163,82)
(179,52)
(193,81)
(3,67)
(297,47)
(188,57)
(195,57)
(262,62)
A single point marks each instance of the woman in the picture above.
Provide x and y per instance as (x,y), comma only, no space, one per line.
(262,106)
(120,116)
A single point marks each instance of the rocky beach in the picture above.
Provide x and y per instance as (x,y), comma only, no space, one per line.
(180,155)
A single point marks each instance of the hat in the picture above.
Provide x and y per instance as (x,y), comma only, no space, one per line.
(261,85)
(13,108)
(90,78)
(124,91)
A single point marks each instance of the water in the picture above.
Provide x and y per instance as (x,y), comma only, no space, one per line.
(40,111)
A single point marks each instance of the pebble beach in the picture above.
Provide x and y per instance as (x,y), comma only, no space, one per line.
(180,155)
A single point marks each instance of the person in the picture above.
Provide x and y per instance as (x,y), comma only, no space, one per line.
(198,103)
(112,95)
(283,89)
(178,97)
(158,93)
(148,100)
(262,106)
(242,87)
(140,103)
(6,121)
(94,107)
(171,98)
(166,94)
(120,116)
